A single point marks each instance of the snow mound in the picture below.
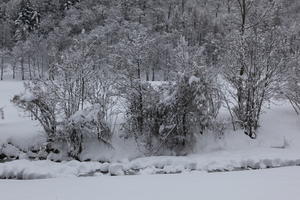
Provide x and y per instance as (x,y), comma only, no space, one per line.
(24,169)
(116,170)
(10,150)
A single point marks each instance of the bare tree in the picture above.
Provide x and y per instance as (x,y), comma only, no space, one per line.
(255,61)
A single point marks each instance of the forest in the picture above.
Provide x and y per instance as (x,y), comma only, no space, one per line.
(158,73)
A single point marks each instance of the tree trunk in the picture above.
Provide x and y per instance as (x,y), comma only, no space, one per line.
(140,118)
(22,68)
(153,74)
(240,90)
(82,93)
(2,57)
(14,70)
(147,75)
(243,8)
(2,67)
(42,67)
(29,68)
(34,68)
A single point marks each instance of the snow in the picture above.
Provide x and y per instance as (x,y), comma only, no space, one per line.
(27,97)
(25,169)
(275,184)
(10,150)
(116,169)
(280,128)
(278,144)
(193,79)
(16,127)
(209,162)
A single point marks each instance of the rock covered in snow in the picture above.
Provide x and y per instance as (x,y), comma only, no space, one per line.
(104,168)
(10,151)
(116,169)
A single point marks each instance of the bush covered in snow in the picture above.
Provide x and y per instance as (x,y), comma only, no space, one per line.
(167,117)
(85,124)
(61,126)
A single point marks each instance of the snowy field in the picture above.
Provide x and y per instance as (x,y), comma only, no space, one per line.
(273,184)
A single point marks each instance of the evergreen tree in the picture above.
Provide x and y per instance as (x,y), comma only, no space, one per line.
(27,21)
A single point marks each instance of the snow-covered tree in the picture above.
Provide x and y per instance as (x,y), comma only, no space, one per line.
(167,116)
(27,21)
(76,90)
(255,61)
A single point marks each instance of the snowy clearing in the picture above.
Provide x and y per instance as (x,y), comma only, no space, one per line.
(275,184)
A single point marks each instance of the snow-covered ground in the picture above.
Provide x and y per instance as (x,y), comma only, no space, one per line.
(16,126)
(26,170)
(278,144)
(273,184)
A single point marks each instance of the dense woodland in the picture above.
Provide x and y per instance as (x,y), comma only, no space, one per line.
(156,71)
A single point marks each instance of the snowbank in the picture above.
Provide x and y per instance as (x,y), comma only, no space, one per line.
(24,169)
(210,162)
